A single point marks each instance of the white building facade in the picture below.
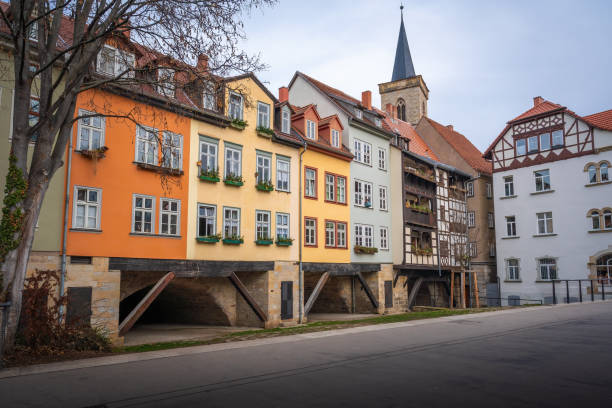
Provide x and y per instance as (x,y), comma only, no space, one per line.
(552,187)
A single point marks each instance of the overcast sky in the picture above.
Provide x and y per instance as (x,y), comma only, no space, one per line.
(483,61)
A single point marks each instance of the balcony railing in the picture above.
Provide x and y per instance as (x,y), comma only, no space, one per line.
(419,217)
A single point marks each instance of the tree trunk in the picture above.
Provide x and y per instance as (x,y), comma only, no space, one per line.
(16,261)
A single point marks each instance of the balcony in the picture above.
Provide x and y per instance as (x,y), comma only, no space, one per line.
(427,219)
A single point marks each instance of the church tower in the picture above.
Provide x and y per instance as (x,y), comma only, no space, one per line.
(407,91)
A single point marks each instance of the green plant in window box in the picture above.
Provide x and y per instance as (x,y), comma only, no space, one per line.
(95,153)
(264,131)
(420,208)
(211,175)
(233,180)
(233,240)
(265,185)
(365,250)
(282,241)
(266,240)
(423,251)
(238,124)
(209,239)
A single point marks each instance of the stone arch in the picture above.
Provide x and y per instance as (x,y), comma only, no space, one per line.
(592,263)
(401,109)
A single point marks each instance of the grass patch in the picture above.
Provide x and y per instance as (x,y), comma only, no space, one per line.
(306,328)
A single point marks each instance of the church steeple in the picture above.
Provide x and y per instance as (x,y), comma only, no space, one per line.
(403,67)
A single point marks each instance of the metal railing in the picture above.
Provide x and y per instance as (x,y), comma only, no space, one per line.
(591,287)
(4,309)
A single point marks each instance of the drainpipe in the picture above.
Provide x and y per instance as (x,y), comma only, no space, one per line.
(65,229)
(300,238)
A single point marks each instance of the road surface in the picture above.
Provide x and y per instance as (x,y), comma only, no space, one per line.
(540,357)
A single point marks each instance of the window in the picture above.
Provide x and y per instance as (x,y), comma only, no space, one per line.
(231,222)
(146,145)
(492,250)
(263,168)
(33,115)
(545,223)
(208,155)
(521,147)
(607,218)
(310,232)
(363,152)
(233,161)
(471,219)
(603,172)
(341,234)
(169,216)
(363,194)
(509,186)
(377,122)
(235,106)
(143,214)
(548,268)
(363,235)
(470,188)
(384,238)
(557,138)
(285,120)
(512,269)
(358,113)
(382,159)
(112,61)
(595,220)
(172,150)
(263,115)
(210,97)
(542,180)
(491,220)
(310,183)
(401,110)
(282,174)
(87,205)
(33,31)
(545,141)
(207,220)
(341,189)
(511,226)
(311,130)
(382,196)
(330,234)
(282,225)
(489,190)
(91,131)
(330,187)
(335,138)
(262,225)
(592,174)
(165,82)
(532,143)
(472,249)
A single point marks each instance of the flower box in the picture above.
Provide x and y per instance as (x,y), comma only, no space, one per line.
(265,132)
(94,154)
(264,241)
(210,179)
(208,240)
(284,242)
(365,250)
(238,124)
(233,241)
(233,183)
(265,187)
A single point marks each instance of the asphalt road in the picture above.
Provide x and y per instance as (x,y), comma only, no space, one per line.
(543,357)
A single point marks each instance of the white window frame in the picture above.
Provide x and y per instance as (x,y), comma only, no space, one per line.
(363,193)
(169,213)
(286,120)
(213,217)
(509,186)
(230,220)
(214,156)
(511,225)
(335,138)
(283,226)
(471,218)
(472,249)
(144,210)
(176,150)
(383,198)
(362,152)
(490,220)
(330,239)
(265,158)
(231,112)
(382,159)
(364,235)
(310,231)
(530,139)
(384,238)
(343,189)
(311,130)
(489,190)
(343,234)
(307,193)
(513,272)
(165,82)
(470,188)
(209,97)
(544,217)
(262,224)
(90,128)
(87,204)
(521,147)
(280,161)
(556,135)
(118,61)
(263,117)
(226,167)
(148,144)
(542,176)
(549,274)
(358,113)
(330,193)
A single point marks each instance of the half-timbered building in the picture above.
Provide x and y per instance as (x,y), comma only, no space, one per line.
(553,200)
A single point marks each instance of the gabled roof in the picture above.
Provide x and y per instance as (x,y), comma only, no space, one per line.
(405,129)
(543,107)
(256,80)
(462,146)
(602,120)
(402,67)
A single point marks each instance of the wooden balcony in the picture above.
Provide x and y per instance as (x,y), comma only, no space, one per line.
(420,218)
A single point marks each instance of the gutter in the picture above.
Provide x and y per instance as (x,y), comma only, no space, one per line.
(65,227)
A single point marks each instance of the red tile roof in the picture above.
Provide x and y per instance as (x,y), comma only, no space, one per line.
(333,91)
(543,107)
(417,144)
(601,120)
(463,147)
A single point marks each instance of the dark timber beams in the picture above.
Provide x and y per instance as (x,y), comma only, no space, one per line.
(367,289)
(143,305)
(316,292)
(188,268)
(247,296)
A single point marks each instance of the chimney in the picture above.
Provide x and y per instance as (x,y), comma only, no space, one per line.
(202,65)
(125,27)
(450,127)
(283,94)
(537,100)
(390,109)
(366,99)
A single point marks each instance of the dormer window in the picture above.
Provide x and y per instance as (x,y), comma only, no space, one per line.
(112,61)
(311,130)
(335,138)
(165,78)
(263,115)
(378,122)
(210,99)
(235,106)
(358,113)
(285,119)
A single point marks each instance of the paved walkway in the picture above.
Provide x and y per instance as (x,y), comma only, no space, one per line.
(158,333)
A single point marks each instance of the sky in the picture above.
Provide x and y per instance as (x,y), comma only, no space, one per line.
(483,61)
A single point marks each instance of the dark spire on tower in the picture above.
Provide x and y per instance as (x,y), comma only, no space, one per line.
(402,68)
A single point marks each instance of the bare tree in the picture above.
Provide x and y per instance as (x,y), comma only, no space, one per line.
(54,46)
